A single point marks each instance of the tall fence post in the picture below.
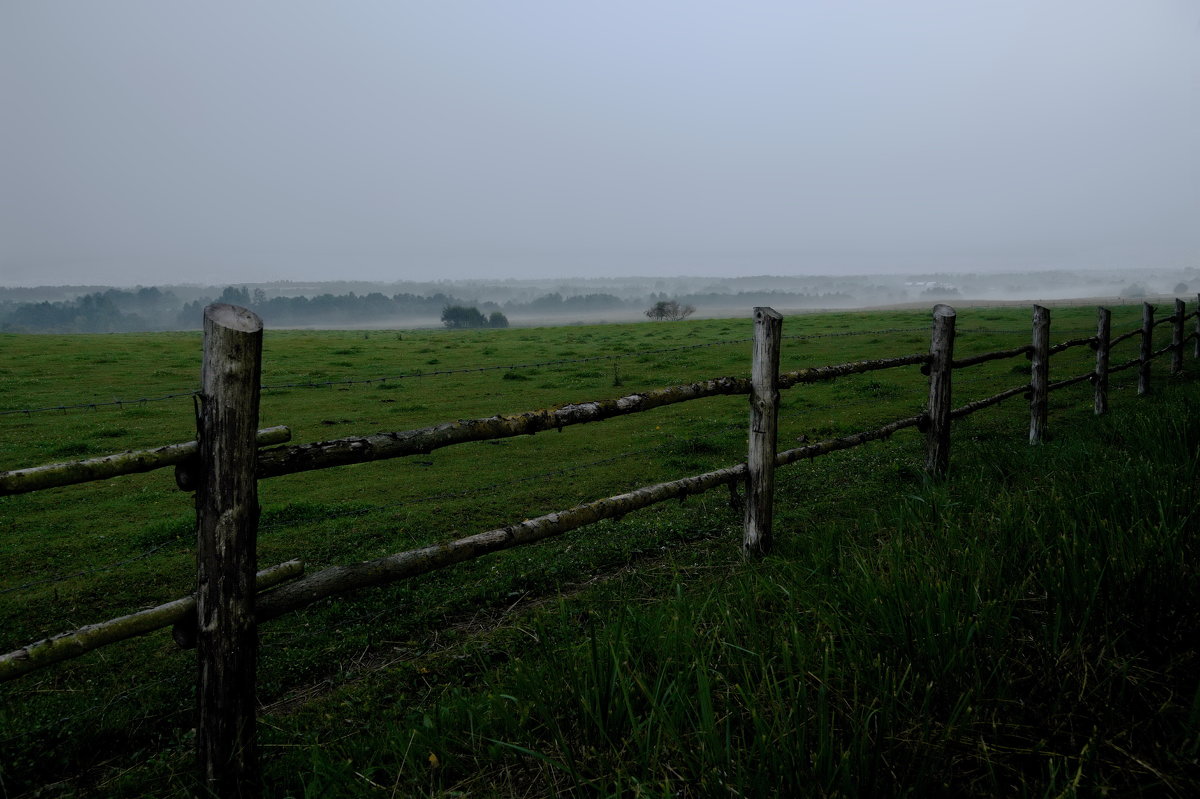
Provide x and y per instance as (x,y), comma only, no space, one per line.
(1177,337)
(764,427)
(1103,347)
(941,356)
(1196,343)
(1147,350)
(1039,375)
(226,529)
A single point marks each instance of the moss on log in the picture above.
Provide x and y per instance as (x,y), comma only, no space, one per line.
(846,442)
(340,579)
(382,446)
(78,642)
(21,481)
(987,402)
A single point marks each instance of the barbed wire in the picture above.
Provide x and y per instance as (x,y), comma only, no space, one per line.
(94,405)
(505,367)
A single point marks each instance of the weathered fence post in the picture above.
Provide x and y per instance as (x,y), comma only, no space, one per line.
(1103,347)
(1039,375)
(764,427)
(1196,343)
(226,529)
(1147,350)
(1177,337)
(941,356)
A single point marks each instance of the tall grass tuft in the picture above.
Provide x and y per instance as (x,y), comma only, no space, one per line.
(1024,629)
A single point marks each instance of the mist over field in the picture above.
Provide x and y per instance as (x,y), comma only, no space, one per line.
(360,304)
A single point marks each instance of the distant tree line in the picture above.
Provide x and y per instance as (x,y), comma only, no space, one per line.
(148,309)
(110,311)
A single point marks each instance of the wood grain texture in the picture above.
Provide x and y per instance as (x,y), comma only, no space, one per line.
(1039,381)
(226,532)
(941,368)
(764,432)
(1103,350)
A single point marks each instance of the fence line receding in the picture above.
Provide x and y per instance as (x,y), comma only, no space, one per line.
(228,457)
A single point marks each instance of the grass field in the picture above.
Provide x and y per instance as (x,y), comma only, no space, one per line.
(1020,630)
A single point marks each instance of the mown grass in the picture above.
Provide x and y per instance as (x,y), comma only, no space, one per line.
(1021,629)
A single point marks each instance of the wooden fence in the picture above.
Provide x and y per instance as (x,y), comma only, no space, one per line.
(224,464)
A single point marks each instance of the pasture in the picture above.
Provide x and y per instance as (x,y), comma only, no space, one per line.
(885,648)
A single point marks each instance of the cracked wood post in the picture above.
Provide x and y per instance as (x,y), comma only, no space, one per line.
(941,357)
(226,529)
(1177,337)
(1103,347)
(764,420)
(1147,352)
(1039,375)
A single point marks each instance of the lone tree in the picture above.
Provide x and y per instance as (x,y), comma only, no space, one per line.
(461,316)
(670,311)
(497,319)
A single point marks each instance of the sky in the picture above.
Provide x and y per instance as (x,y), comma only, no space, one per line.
(145,142)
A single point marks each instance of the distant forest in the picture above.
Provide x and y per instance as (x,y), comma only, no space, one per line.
(153,309)
(410,304)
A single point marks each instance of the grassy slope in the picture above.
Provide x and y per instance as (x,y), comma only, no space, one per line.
(1014,631)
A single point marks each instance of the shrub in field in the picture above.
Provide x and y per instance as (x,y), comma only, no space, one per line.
(670,311)
(461,316)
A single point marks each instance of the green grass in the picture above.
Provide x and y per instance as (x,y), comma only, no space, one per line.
(1023,629)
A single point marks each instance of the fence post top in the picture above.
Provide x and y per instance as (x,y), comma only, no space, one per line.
(761,311)
(941,310)
(233,318)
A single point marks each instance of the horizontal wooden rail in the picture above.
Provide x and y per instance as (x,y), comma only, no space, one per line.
(991,356)
(818,373)
(987,402)
(1118,339)
(1132,362)
(85,639)
(1075,342)
(53,475)
(383,446)
(846,442)
(1166,320)
(340,579)
(1070,381)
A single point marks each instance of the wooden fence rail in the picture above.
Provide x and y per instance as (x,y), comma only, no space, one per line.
(224,464)
(55,475)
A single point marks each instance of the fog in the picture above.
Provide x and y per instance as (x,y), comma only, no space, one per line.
(563,301)
(150,143)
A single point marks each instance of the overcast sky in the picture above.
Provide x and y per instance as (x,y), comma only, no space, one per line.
(154,142)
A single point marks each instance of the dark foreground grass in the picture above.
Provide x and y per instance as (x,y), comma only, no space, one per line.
(1027,628)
